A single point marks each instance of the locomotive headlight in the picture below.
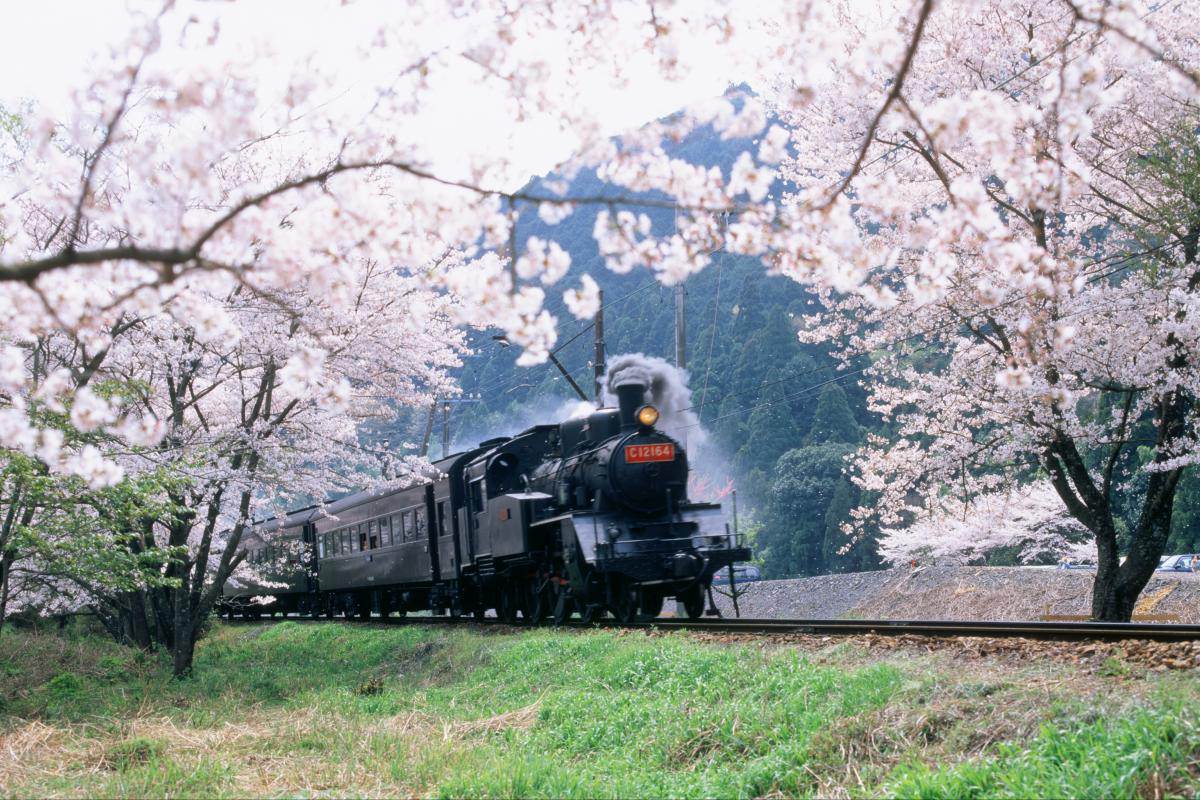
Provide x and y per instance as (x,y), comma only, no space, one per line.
(647,416)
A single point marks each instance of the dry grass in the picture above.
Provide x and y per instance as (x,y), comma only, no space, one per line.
(268,753)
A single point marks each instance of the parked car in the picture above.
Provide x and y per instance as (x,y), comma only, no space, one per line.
(742,573)
(1076,565)
(1188,562)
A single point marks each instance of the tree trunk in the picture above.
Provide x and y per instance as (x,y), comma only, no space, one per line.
(184,647)
(132,614)
(1145,550)
(6,561)
(1108,565)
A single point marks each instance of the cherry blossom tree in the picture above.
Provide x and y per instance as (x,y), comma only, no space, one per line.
(244,413)
(1028,521)
(970,185)
(1025,269)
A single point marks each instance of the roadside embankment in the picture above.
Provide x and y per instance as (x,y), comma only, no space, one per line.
(962,593)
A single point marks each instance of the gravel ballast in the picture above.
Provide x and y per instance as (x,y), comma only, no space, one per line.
(954,593)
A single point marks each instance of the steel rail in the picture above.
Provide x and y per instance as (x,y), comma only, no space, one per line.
(1064,631)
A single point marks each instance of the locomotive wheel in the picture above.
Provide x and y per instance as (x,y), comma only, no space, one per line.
(693,601)
(509,603)
(527,601)
(627,600)
(588,614)
(652,603)
(564,607)
(544,603)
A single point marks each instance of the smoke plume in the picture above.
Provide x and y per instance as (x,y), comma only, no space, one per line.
(667,390)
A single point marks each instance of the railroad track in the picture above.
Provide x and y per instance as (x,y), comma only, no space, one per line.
(1062,631)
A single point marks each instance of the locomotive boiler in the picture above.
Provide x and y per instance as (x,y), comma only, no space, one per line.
(588,516)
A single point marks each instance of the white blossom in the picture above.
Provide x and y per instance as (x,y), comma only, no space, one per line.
(583,302)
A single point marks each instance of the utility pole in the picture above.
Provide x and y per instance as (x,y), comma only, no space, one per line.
(428,428)
(582,395)
(598,362)
(446,403)
(680,329)
(445,429)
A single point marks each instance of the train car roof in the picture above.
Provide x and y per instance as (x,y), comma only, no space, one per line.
(289,519)
(334,505)
(355,499)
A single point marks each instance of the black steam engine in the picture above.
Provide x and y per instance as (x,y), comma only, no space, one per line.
(588,516)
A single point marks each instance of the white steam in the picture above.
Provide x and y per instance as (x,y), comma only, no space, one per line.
(575,409)
(667,390)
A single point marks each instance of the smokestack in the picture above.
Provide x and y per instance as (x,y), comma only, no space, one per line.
(631,395)
(661,384)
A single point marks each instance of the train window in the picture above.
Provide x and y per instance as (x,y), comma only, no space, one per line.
(362,536)
(373,534)
(344,535)
(385,532)
(321,547)
(441,518)
(477,496)
(421,518)
(405,526)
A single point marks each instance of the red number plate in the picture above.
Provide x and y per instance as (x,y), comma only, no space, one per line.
(642,453)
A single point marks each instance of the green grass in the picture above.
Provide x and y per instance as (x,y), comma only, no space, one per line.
(1150,753)
(334,710)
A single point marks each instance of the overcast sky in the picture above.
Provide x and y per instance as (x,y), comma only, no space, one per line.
(45,46)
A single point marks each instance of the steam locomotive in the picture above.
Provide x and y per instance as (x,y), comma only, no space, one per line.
(589,516)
